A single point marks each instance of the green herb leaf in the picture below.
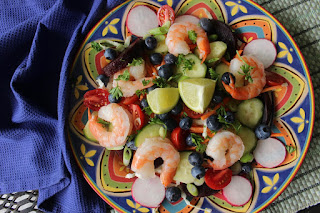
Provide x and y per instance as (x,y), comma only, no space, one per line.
(116,92)
(161,30)
(125,76)
(197,140)
(141,92)
(290,149)
(147,110)
(96,46)
(213,74)
(186,64)
(145,83)
(221,112)
(175,77)
(104,123)
(192,36)
(136,62)
(246,68)
(160,82)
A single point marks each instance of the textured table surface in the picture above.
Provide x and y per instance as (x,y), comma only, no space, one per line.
(302,19)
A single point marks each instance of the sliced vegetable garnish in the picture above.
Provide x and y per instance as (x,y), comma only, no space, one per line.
(218,179)
(165,13)
(94,99)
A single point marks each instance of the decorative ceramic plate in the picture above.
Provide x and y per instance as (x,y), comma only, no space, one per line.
(104,170)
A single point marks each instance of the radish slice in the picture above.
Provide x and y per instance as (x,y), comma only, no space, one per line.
(238,192)
(270,152)
(263,49)
(140,20)
(148,192)
(185,18)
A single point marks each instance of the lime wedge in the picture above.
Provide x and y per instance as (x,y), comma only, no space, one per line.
(162,100)
(197,93)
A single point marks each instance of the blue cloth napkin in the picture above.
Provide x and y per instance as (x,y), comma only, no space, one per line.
(38,41)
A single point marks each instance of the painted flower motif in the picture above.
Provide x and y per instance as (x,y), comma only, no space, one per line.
(136,206)
(87,155)
(78,87)
(236,7)
(110,26)
(169,2)
(123,167)
(270,183)
(300,120)
(285,52)
(247,40)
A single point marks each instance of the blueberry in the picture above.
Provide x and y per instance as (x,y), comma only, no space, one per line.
(170,59)
(177,108)
(113,99)
(226,78)
(185,123)
(173,194)
(195,159)
(213,123)
(152,88)
(198,172)
(163,116)
(165,71)
(229,117)
(110,53)
(156,58)
(170,123)
(104,79)
(217,97)
(263,131)
(246,168)
(151,42)
(206,25)
(131,145)
(189,141)
(144,103)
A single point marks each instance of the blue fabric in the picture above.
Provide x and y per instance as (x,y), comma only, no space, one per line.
(38,41)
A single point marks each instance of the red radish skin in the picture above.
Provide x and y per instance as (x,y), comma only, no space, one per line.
(140,20)
(185,18)
(263,49)
(270,152)
(148,192)
(238,192)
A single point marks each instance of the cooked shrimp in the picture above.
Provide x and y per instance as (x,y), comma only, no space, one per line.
(129,88)
(250,90)
(121,121)
(177,39)
(225,148)
(151,149)
(234,68)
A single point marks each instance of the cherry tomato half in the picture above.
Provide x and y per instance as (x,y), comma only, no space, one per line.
(218,179)
(274,79)
(165,13)
(178,138)
(129,100)
(191,113)
(94,99)
(138,116)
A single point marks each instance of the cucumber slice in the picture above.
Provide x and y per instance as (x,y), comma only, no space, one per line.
(198,70)
(233,105)
(88,134)
(149,131)
(250,112)
(161,47)
(249,139)
(220,69)
(218,49)
(183,173)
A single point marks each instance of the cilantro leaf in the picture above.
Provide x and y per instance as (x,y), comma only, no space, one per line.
(147,110)
(141,92)
(116,92)
(197,140)
(96,46)
(213,74)
(125,76)
(186,64)
(192,36)
(104,123)
(221,112)
(136,62)
(246,68)
(145,82)
(160,82)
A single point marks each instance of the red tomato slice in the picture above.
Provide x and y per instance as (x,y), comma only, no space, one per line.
(165,13)
(94,99)
(137,115)
(129,100)
(218,179)
(274,79)
(178,138)
(191,113)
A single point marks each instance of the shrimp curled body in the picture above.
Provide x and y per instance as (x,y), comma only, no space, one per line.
(121,121)
(250,90)
(151,149)
(177,39)
(225,148)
